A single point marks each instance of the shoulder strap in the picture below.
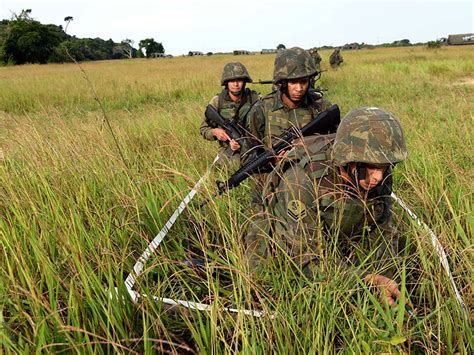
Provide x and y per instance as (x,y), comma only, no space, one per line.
(221,100)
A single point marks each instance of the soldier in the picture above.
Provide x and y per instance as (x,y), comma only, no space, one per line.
(332,192)
(292,104)
(317,58)
(336,58)
(233,103)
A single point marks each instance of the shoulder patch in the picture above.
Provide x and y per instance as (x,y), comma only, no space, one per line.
(296,210)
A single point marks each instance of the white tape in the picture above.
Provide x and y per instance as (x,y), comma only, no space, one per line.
(437,246)
(150,249)
(196,306)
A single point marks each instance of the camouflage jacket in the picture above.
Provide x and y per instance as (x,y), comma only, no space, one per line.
(335,59)
(316,56)
(310,209)
(235,111)
(269,117)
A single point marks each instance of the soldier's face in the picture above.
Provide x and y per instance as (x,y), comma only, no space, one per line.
(297,89)
(373,177)
(235,87)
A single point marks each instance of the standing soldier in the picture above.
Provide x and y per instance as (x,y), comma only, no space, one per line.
(332,192)
(336,58)
(292,104)
(233,103)
(317,58)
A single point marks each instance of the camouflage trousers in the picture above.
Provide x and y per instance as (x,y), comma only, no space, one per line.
(315,250)
(228,159)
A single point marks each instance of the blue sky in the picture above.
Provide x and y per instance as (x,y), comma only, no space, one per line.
(213,25)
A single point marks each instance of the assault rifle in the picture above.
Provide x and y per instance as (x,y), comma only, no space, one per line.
(324,123)
(264,82)
(232,130)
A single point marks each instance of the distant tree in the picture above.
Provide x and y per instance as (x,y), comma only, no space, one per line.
(434,44)
(125,49)
(139,53)
(23,15)
(281,46)
(28,41)
(68,20)
(150,46)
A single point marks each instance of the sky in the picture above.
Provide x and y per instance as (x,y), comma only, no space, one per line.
(222,26)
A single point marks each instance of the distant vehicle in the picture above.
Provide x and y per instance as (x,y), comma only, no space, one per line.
(158,55)
(268,51)
(195,53)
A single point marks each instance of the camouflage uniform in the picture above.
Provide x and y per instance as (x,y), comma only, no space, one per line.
(336,58)
(269,117)
(234,111)
(310,209)
(317,58)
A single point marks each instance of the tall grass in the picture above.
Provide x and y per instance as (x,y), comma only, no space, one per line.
(74,217)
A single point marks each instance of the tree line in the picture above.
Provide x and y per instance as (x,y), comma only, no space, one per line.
(25,40)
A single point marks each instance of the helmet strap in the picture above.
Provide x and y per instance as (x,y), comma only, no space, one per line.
(360,173)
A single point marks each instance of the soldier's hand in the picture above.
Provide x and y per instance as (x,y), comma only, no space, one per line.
(388,288)
(234,145)
(280,156)
(220,134)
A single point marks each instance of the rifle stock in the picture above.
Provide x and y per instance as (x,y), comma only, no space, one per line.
(325,122)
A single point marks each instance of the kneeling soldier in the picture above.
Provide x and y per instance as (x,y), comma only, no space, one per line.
(334,190)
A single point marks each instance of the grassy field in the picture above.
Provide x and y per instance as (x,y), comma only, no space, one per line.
(74,216)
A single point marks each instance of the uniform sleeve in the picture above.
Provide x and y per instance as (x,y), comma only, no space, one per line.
(205,128)
(254,132)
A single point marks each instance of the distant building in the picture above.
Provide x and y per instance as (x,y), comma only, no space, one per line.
(241,52)
(350,46)
(195,53)
(268,51)
(466,38)
(158,55)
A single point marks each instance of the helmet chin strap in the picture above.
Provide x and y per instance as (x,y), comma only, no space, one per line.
(361,172)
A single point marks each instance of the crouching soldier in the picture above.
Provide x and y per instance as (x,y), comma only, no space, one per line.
(332,192)
(233,103)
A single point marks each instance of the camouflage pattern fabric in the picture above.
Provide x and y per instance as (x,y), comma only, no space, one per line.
(317,58)
(369,135)
(293,63)
(336,58)
(233,71)
(232,111)
(312,216)
(268,118)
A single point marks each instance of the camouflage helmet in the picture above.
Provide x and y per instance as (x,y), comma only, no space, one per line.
(369,135)
(233,71)
(293,63)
